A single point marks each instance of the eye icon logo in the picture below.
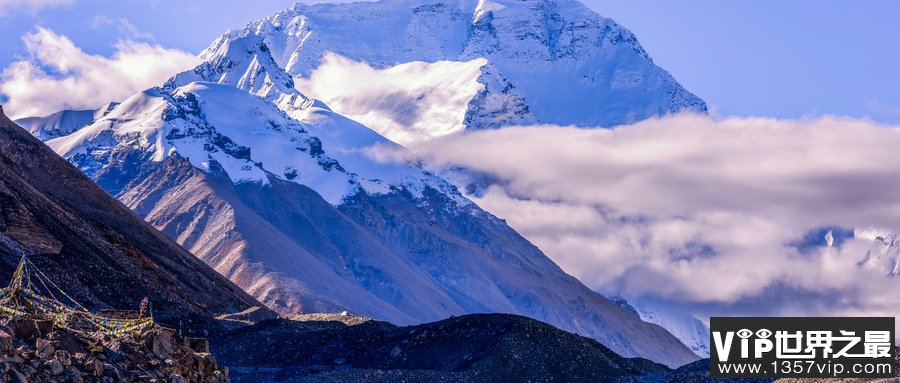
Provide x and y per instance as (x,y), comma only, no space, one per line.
(744,333)
(763,333)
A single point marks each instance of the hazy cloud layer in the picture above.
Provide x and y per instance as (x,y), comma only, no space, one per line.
(709,214)
(59,75)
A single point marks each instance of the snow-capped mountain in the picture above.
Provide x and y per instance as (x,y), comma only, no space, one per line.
(688,329)
(684,326)
(883,255)
(282,194)
(297,214)
(412,70)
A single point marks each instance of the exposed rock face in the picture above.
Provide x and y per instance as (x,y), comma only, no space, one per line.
(471,348)
(32,350)
(93,246)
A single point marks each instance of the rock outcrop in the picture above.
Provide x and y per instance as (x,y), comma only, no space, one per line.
(33,350)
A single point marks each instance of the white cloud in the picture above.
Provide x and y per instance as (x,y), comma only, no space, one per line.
(8,6)
(124,26)
(700,212)
(59,75)
(406,103)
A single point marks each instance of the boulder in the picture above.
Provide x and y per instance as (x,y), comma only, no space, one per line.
(15,376)
(32,351)
(63,340)
(28,329)
(200,345)
(63,357)
(55,367)
(7,343)
(24,329)
(162,343)
(44,348)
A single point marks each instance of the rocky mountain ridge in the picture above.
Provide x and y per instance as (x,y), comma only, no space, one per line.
(92,245)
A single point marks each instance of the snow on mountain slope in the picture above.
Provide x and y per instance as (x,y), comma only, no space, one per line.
(243,62)
(62,123)
(689,330)
(200,122)
(548,61)
(297,214)
(684,326)
(884,254)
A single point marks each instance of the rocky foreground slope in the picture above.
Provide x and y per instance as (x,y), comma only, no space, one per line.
(33,350)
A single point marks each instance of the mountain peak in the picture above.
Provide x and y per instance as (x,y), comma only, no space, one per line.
(244,62)
(554,62)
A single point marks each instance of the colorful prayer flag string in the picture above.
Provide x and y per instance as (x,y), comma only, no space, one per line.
(21,298)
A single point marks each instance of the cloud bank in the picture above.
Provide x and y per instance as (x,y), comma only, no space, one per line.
(58,75)
(719,216)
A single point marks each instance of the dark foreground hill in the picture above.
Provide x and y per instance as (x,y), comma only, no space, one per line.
(698,372)
(95,248)
(471,348)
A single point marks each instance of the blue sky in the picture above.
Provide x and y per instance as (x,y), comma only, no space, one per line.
(792,59)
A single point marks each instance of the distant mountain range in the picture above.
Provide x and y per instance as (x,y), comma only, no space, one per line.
(280,193)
